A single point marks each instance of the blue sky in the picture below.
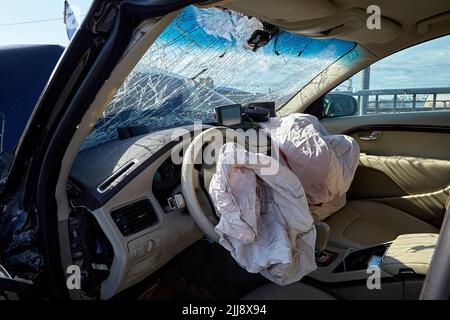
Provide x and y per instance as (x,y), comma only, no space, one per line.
(426,65)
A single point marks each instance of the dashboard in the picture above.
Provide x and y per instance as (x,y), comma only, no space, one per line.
(124,185)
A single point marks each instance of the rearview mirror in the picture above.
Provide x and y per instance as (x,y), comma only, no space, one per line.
(339,105)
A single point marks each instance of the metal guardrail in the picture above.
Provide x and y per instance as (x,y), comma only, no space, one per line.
(2,130)
(402,100)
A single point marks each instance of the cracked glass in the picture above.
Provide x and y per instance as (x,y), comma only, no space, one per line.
(202,60)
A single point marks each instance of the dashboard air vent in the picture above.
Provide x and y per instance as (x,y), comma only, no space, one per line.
(135,217)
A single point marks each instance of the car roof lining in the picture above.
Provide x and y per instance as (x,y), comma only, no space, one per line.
(401,26)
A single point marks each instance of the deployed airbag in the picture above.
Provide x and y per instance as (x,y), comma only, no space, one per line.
(324,163)
(265,221)
(267,217)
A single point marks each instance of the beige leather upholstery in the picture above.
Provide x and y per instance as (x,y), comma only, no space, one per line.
(412,251)
(365,223)
(415,185)
(406,172)
(295,291)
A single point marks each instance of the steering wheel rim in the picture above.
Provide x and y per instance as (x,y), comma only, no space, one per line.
(190,184)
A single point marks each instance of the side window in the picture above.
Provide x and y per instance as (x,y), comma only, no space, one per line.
(413,80)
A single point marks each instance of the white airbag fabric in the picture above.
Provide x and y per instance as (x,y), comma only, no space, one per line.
(265,221)
(324,163)
(266,217)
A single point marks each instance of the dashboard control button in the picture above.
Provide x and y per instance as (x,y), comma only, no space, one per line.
(144,246)
(176,202)
(149,246)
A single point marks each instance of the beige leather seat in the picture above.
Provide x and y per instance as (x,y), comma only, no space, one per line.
(295,291)
(366,223)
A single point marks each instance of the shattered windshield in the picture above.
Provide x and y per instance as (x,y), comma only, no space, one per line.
(203,60)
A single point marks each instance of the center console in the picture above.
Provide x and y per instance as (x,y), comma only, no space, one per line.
(393,270)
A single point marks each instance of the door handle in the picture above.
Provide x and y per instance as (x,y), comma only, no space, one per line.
(369,135)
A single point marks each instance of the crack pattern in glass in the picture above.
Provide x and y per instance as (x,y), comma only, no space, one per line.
(201,61)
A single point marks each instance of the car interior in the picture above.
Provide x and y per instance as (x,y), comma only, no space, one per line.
(117,202)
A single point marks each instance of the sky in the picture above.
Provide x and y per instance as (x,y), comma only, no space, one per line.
(17,18)
(425,65)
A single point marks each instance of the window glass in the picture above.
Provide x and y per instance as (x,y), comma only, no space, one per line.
(201,61)
(412,80)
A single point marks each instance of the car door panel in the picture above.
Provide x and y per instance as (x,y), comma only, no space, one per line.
(420,144)
(406,164)
(406,171)
(421,120)
(415,185)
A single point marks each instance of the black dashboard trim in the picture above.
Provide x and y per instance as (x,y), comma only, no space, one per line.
(399,127)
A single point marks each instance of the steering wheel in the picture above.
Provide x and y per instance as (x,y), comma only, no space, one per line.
(196,175)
